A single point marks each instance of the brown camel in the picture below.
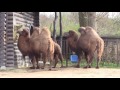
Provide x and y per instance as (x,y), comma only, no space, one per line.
(89,42)
(24,47)
(41,42)
(24,44)
(57,48)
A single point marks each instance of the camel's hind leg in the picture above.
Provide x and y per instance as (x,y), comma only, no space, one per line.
(98,61)
(51,59)
(100,49)
(80,57)
(61,59)
(33,63)
(56,60)
(37,62)
(89,59)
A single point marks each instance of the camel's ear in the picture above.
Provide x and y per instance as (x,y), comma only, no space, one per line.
(31,30)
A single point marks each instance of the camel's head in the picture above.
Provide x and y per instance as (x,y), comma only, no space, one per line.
(69,34)
(85,30)
(82,30)
(24,32)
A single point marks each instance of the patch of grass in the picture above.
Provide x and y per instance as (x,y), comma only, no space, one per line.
(103,64)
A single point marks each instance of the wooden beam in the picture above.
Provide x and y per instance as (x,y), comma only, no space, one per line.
(9,42)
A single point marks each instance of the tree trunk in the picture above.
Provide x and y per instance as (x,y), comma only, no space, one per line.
(92,19)
(83,20)
(60,30)
(54,25)
(87,19)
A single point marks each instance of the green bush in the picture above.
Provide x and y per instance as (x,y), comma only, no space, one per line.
(15,35)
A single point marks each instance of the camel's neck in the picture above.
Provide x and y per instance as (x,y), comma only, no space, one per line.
(23,44)
(23,39)
(72,44)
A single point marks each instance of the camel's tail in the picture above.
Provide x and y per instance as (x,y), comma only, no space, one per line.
(50,47)
(100,48)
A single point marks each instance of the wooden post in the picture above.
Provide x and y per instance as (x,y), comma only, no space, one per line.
(54,25)
(9,40)
(60,29)
(66,53)
(92,19)
(36,19)
(2,39)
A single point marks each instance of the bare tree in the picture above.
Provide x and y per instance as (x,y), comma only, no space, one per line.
(87,19)
(83,19)
(92,19)
(54,25)
(60,29)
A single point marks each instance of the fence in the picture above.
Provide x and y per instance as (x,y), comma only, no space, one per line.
(107,24)
(111,51)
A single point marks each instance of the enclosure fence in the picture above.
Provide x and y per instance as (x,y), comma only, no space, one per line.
(111,52)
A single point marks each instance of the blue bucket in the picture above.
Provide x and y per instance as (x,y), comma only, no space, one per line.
(74,58)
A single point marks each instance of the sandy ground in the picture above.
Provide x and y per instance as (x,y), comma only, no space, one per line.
(62,73)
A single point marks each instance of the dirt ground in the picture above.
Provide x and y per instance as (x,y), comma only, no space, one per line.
(62,73)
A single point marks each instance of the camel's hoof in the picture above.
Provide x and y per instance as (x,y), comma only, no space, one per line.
(85,67)
(32,67)
(89,67)
(54,67)
(61,67)
(77,66)
(42,67)
(97,67)
(50,69)
(38,68)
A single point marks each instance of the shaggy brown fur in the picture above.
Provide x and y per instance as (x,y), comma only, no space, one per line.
(72,38)
(58,54)
(57,49)
(88,42)
(41,42)
(24,44)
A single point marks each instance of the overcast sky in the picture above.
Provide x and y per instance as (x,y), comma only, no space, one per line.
(111,14)
(47,13)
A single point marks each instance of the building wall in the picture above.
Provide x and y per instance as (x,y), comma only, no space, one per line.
(2,38)
(26,18)
(7,45)
(9,40)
